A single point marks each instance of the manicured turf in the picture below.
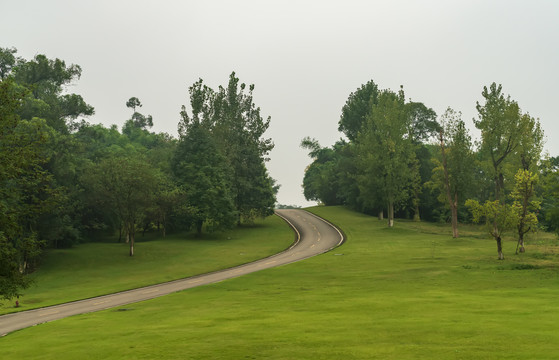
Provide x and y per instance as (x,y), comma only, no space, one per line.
(100,268)
(403,293)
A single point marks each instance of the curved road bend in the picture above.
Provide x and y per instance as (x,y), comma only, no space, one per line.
(313,236)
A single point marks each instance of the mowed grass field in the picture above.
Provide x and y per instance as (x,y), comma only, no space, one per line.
(411,292)
(99,268)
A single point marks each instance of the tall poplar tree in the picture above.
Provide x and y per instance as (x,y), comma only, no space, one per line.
(239,131)
(454,172)
(388,151)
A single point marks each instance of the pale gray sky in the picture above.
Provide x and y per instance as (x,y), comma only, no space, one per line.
(304,58)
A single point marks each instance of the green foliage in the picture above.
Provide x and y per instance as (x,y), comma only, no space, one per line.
(357,108)
(549,190)
(524,206)
(46,79)
(201,171)
(322,177)
(388,164)
(237,127)
(453,174)
(505,134)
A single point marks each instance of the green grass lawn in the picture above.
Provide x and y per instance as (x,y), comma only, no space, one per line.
(411,292)
(100,268)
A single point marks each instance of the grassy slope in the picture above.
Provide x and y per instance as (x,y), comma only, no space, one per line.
(100,268)
(405,293)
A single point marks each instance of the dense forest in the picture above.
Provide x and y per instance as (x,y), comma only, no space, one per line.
(400,159)
(64,181)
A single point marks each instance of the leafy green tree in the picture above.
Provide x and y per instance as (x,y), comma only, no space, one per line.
(387,152)
(137,125)
(239,130)
(126,184)
(320,182)
(501,131)
(453,174)
(531,143)
(237,127)
(25,191)
(356,109)
(133,103)
(46,78)
(8,60)
(201,171)
(524,206)
(498,218)
(548,188)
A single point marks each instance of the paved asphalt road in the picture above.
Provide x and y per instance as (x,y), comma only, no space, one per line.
(313,236)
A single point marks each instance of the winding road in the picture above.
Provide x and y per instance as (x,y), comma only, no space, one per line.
(313,236)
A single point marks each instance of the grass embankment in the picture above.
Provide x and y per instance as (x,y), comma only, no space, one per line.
(100,268)
(403,293)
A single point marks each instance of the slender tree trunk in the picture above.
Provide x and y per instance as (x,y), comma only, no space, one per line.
(416,216)
(199,224)
(454,216)
(381,215)
(453,203)
(520,246)
(120,232)
(131,238)
(500,248)
(390,213)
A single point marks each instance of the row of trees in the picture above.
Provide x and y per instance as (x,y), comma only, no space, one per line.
(64,181)
(401,159)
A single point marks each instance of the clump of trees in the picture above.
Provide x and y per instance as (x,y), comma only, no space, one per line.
(398,158)
(65,181)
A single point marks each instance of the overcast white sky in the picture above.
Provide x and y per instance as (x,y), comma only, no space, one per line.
(304,57)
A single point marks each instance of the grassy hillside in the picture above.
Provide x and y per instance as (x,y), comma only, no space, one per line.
(100,268)
(404,293)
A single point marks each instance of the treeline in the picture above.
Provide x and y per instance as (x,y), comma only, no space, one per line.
(400,159)
(65,181)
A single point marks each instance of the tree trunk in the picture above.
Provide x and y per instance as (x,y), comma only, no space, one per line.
(131,238)
(199,224)
(120,232)
(454,216)
(520,246)
(453,204)
(390,214)
(381,215)
(416,213)
(500,248)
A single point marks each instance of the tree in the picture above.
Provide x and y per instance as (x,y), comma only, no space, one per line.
(387,151)
(200,169)
(548,188)
(356,109)
(237,127)
(501,131)
(138,123)
(133,102)
(46,79)
(530,143)
(497,216)
(453,174)
(524,206)
(25,191)
(320,182)
(8,61)
(127,185)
